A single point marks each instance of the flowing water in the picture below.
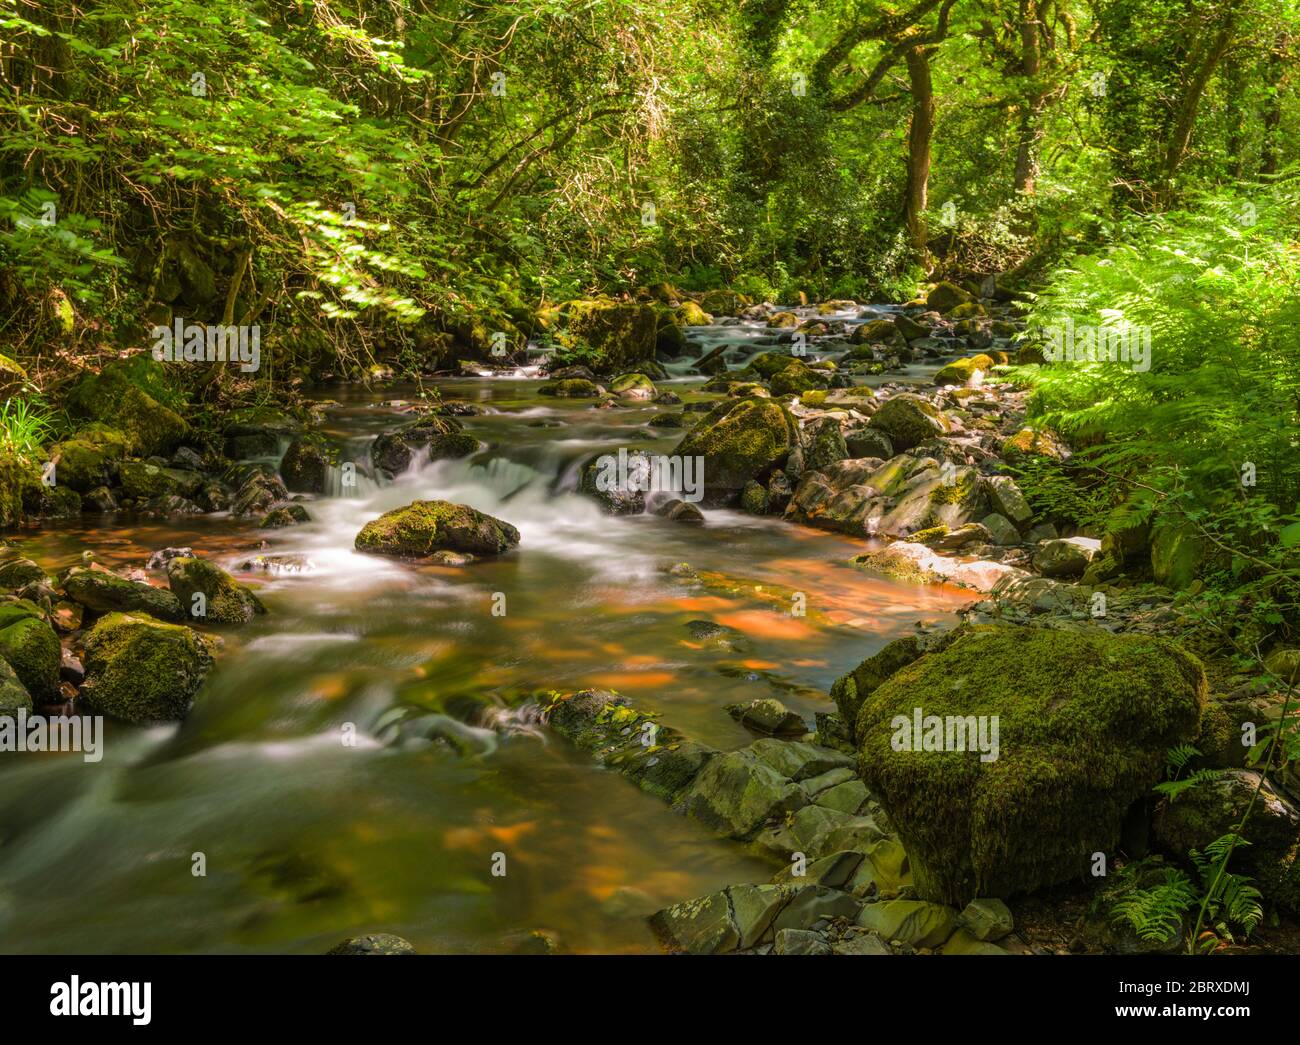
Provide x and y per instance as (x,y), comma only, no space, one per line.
(307,838)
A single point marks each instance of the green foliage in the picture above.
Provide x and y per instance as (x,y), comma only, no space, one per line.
(1155,912)
(24,426)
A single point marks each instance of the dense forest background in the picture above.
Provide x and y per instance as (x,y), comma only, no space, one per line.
(382,176)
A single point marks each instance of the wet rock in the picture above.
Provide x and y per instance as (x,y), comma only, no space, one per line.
(258,495)
(1000,530)
(276,565)
(30,646)
(106,592)
(158,560)
(13,694)
(441,438)
(827,445)
(914,563)
(945,297)
(303,467)
(739,440)
(633,386)
(571,388)
(987,919)
(619,482)
(861,943)
(423,527)
(913,922)
(286,515)
(754,498)
(16,573)
(768,715)
(909,420)
(735,794)
(139,669)
(699,926)
(100,499)
(868,442)
(796,760)
(373,943)
(223,601)
(800,941)
(675,510)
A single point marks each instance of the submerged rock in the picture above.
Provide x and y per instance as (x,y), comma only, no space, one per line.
(424,527)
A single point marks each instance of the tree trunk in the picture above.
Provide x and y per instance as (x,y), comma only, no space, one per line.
(1031,131)
(919,136)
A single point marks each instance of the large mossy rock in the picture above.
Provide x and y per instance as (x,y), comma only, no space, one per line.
(424,527)
(139,669)
(90,459)
(224,601)
(622,334)
(739,440)
(132,396)
(944,297)
(13,694)
(30,646)
(106,592)
(909,420)
(1084,718)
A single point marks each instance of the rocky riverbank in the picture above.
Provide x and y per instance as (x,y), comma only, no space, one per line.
(1078,646)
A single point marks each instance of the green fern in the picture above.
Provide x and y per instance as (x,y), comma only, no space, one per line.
(1155,913)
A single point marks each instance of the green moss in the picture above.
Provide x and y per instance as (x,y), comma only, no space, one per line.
(32,650)
(1084,722)
(139,669)
(849,691)
(570,388)
(423,527)
(740,440)
(20,482)
(224,601)
(106,592)
(959,371)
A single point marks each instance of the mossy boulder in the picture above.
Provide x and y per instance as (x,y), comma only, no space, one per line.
(134,397)
(84,463)
(285,515)
(139,669)
(31,648)
(692,315)
(633,386)
(13,694)
(424,527)
(224,600)
(1213,809)
(796,378)
(945,297)
(19,572)
(145,481)
(622,334)
(850,690)
(571,388)
(909,420)
(1084,721)
(739,440)
(960,371)
(878,332)
(769,364)
(1034,442)
(106,592)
